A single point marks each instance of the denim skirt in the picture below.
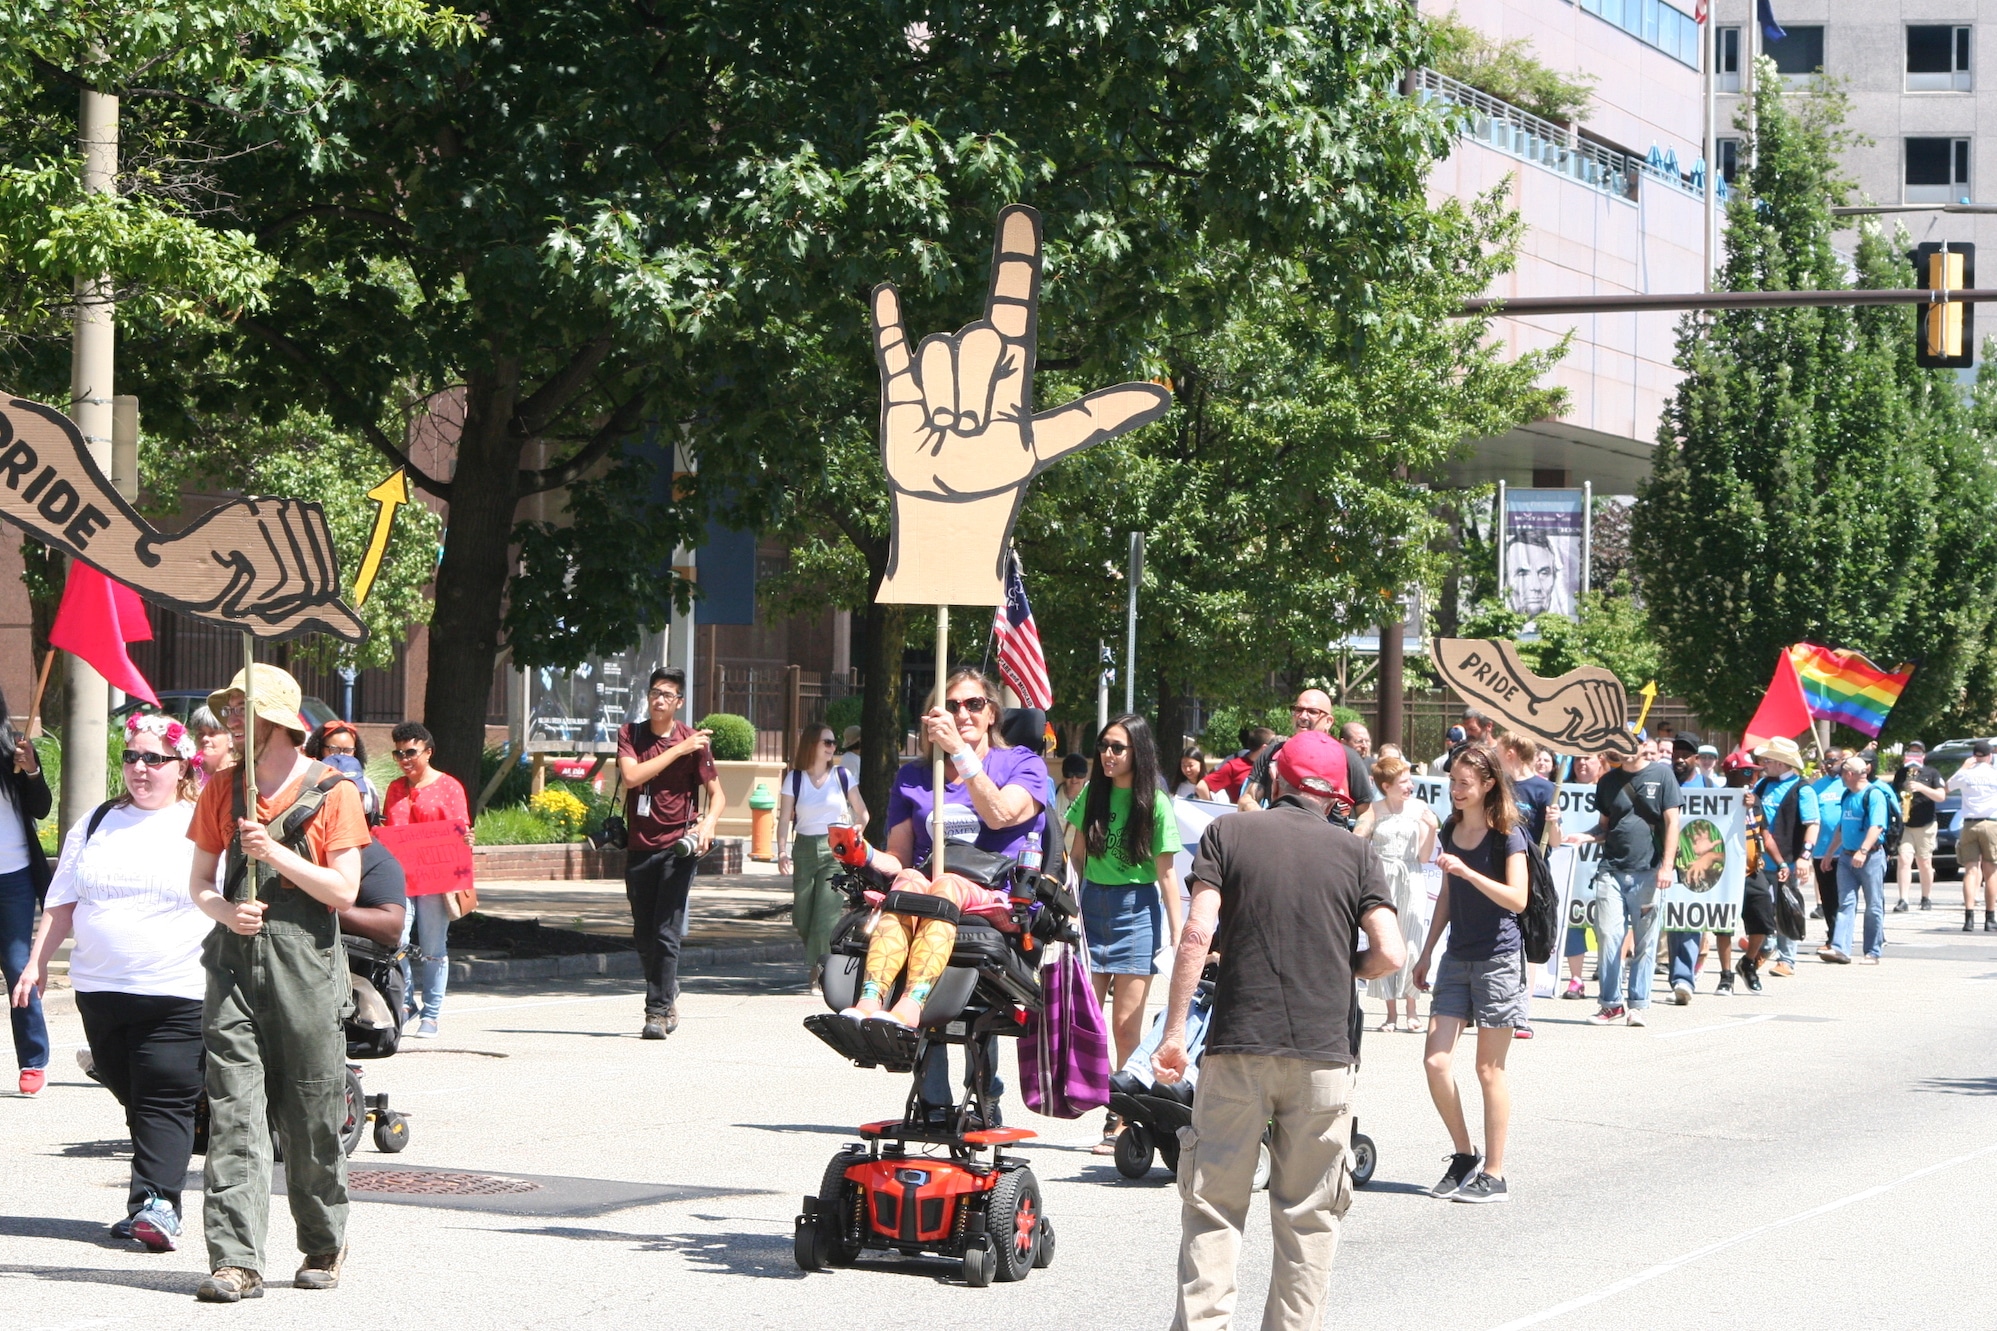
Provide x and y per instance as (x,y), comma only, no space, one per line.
(1125,926)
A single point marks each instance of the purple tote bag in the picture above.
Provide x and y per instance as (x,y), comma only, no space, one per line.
(1064,1052)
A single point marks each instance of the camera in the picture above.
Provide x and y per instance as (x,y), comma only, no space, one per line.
(686,847)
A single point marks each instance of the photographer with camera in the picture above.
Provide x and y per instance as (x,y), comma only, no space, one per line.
(665,764)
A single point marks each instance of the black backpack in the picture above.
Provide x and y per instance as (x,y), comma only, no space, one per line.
(1896,821)
(1539,922)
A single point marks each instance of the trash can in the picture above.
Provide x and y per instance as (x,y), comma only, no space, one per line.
(762,822)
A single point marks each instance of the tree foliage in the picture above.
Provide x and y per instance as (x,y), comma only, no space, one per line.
(1810,483)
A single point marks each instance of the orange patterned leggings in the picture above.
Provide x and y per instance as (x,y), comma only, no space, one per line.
(920,943)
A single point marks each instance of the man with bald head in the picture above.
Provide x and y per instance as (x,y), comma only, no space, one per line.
(1312,711)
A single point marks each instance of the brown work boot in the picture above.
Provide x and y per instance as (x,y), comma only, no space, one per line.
(230,1284)
(320,1270)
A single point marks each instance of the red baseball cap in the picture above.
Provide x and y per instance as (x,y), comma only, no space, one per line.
(1311,761)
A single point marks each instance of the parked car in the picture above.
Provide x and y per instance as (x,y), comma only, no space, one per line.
(1948,759)
(181,703)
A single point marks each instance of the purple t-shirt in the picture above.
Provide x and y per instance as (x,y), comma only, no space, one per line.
(910,801)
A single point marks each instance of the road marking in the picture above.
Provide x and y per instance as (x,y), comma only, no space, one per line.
(1666,1268)
(1735,1024)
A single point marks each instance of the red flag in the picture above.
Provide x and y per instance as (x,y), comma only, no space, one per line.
(1784,712)
(97,618)
(1699,13)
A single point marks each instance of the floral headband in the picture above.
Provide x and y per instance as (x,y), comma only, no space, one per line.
(172,734)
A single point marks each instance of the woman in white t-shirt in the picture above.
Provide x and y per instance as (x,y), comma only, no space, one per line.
(817,796)
(121,887)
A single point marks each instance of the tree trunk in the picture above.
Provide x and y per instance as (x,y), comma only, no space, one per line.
(880,712)
(471,579)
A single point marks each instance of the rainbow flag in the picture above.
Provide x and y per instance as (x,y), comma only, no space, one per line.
(1843,686)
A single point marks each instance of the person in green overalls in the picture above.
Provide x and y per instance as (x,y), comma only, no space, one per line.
(277,985)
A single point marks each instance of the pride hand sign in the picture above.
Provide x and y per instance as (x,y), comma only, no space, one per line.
(959,438)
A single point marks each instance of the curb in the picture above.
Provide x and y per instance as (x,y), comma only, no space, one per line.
(612,963)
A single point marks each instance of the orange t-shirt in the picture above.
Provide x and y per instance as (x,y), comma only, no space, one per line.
(341,823)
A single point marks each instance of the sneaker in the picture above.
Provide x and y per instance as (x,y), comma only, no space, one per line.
(672,1018)
(320,1270)
(1636,1017)
(1608,1016)
(1831,956)
(1482,1189)
(1900,907)
(426,1029)
(1725,987)
(1868,960)
(230,1284)
(123,1228)
(1816,912)
(655,1029)
(1574,989)
(156,1226)
(1781,968)
(33,1079)
(1969,921)
(1990,921)
(1751,973)
(1681,993)
(1522,1032)
(1926,904)
(1461,1167)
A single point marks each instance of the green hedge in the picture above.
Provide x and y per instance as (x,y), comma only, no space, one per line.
(515,826)
(734,738)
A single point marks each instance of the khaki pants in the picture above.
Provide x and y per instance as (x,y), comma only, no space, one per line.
(1310,1185)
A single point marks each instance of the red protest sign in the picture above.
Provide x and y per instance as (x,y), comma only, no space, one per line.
(433,856)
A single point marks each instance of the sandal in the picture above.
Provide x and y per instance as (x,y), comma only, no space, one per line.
(1416,1026)
(1386,1025)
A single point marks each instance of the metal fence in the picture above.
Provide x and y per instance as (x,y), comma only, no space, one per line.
(191,654)
(777,700)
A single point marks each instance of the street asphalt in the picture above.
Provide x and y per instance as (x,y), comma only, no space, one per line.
(1823,1155)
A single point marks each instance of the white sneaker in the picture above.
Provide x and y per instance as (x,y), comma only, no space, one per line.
(1681,993)
(1636,1017)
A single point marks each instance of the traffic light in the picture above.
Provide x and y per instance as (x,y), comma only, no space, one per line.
(1945,335)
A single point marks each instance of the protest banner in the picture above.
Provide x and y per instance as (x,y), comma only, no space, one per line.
(433,856)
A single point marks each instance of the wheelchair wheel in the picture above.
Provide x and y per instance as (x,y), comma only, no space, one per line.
(978,1266)
(1168,1152)
(391,1133)
(1043,1256)
(805,1243)
(1262,1167)
(1133,1151)
(1365,1159)
(1012,1224)
(356,1123)
(835,1213)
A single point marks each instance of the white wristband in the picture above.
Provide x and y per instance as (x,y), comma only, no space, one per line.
(968,765)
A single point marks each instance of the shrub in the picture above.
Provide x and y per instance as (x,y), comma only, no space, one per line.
(561,810)
(843,712)
(514,789)
(734,738)
(515,826)
(1509,71)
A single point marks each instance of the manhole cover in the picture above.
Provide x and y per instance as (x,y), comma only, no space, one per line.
(433,1183)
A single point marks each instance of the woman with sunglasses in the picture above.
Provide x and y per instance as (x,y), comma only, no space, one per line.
(422,794)
(338,744)
(1123,833)
(121,889)
(995,801)
(817,795)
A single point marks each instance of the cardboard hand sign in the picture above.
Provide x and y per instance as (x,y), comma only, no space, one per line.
(1583,711)
(265,566)
(959,438)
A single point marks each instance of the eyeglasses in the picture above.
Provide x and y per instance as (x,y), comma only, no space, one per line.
(149,759)
(405,754)
(1306,711)
(346,748)
(972,705)
(1111,746)
(663,695)
(233,709)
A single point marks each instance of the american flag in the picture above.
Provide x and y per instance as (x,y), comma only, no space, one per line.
(1020,660)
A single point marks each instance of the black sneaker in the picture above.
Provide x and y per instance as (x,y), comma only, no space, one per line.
(1969,921)
(1461,1167)
(1481,1190)
(1990,921)
(1927,904)
(1900,907)
(1726,985)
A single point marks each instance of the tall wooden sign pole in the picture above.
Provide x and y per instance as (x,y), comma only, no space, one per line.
(249,758)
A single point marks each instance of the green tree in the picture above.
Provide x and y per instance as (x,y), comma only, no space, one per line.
(1798,488)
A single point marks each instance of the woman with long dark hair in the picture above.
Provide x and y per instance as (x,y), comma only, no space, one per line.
(24,879)
(1124,833)
(1482,980)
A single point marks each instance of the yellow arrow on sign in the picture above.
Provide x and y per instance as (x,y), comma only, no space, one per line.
(391,492)
(1649,692)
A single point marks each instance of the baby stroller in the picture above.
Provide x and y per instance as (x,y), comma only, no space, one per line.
(877,1195)
(1153,1111)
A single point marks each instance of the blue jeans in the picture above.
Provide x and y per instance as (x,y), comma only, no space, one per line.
(1627,903)
(432,931)
(1684,957)
(1872,879)
(17,939)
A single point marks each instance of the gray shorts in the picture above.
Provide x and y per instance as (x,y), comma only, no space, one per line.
(1483,991)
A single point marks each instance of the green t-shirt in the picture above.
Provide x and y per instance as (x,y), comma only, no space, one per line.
(1110,869)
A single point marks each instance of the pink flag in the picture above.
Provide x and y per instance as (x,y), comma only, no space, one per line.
(96,619)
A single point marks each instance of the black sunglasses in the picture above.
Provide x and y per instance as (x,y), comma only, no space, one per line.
(829,742)
(971,705)
(149,759)
(1111,746)
(405,753)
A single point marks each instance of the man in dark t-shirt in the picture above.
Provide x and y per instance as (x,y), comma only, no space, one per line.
(1291,894)
(666,767)
(1919,787)
(1638,832)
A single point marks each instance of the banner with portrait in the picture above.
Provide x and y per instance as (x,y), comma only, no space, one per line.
(1544,536)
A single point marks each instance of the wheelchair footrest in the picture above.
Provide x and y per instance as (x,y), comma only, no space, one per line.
(868,1043)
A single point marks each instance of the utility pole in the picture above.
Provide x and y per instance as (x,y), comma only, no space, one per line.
(1130,654)
(86,700)
(1712,44)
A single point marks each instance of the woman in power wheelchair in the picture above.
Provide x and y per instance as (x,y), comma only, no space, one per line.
(916,966)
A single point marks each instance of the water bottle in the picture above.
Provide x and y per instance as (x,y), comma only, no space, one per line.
(1029,853)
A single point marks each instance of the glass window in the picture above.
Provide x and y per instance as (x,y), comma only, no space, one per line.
(1729,152)
(1726,59)
(1937,171)
(1800,53)
(1937,57)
